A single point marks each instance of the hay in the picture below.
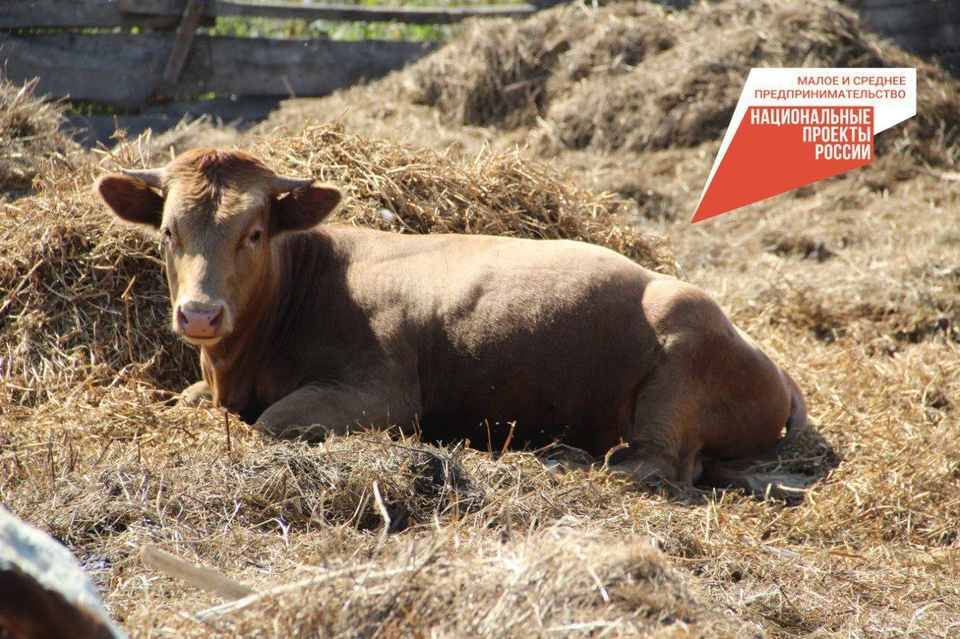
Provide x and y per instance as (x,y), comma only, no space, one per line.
(384,114)
(84,299)
(687,94)
(427,193)
(483,546)
(851,283)
(634,76)
(540,586)
(500,72)
(32,137)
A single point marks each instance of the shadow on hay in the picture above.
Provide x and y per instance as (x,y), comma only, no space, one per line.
(368,481)
(805,463)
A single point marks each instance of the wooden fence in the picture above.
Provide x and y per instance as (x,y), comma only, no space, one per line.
(127,52)
(929,28)
(132,51)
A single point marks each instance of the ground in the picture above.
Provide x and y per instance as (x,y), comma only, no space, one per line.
(851,284)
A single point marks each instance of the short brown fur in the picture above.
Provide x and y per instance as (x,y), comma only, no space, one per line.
(327,329)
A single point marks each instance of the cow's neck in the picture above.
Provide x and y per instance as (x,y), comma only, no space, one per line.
(233,366)
(229,366)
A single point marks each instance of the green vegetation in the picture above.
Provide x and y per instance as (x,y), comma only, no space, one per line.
(333,29)
(340,30)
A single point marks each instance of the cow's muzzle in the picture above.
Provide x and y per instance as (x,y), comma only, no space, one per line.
(200,322)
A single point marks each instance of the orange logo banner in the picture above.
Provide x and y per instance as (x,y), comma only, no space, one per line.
(793,127)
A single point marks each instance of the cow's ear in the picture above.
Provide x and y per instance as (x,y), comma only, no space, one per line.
(303,208)
(131,200)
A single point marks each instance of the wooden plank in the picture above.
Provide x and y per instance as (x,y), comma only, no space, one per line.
(186,33)
(911,19)
(71,14)
(194,574)
(942,38)
(862,5)
(123,69)
(950,61)
(412,15)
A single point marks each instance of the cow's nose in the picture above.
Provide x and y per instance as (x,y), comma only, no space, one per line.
(200,320)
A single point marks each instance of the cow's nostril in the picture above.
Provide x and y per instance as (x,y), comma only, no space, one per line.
(200,320)
(215,320)
(182,322)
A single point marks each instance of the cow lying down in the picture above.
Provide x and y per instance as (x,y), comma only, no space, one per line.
(308,330)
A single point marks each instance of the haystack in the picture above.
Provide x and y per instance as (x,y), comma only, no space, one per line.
(85,302)
(504,72)
(635,76)
(687,94)
(32,136)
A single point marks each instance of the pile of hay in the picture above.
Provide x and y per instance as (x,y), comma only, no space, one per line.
(852,284)
(83,299)
(32,138)
(630,98)
(505,73)
(479,545)
(390,186)
(635,76)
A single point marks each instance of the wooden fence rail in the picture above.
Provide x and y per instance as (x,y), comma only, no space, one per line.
(410,15)
(166,14)
(128,69)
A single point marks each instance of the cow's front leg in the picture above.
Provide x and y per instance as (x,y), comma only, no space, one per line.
(195,394)
(313,412)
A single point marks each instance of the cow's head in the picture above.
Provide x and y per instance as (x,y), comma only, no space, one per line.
(217,214)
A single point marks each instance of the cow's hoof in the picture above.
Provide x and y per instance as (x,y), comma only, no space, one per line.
(196,395)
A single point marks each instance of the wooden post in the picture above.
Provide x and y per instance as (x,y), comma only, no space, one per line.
(182,43)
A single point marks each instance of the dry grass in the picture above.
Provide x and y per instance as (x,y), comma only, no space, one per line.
(626,77)
(506,73)
(853,284)
(686,94)
(868,324)
(495,547)
(84,300)
(31,136)
(390,186)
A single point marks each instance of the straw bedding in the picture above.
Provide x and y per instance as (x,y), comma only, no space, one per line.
(84,300)
(634,76)
(852,284)
(32,136)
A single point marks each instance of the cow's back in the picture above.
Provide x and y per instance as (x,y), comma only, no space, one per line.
(547,335)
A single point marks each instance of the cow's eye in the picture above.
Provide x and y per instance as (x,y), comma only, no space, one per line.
(255,237)
(166,235)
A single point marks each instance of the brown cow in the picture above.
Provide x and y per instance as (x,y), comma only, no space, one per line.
(310,330)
